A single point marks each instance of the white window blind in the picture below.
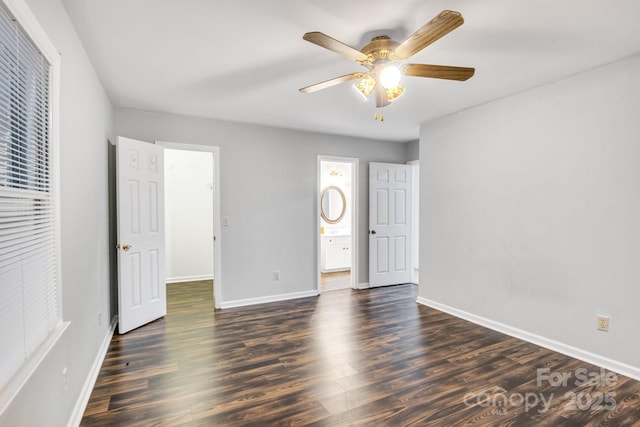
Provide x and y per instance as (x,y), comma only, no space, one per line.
(29,310)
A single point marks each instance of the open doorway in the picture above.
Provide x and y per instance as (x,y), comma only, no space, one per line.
(337,213)
(191,219)
(188,196)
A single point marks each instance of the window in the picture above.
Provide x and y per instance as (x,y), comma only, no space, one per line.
(30,310)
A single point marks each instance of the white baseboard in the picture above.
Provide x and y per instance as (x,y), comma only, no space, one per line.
(364,285)
(270,298)
(87,388)
(187,279)
(585,356)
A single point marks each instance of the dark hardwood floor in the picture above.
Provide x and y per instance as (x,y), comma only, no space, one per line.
(372,357)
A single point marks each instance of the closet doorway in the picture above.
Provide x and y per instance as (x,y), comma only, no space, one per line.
(337,223)
(192,227)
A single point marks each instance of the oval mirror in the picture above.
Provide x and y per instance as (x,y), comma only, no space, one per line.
(333,204)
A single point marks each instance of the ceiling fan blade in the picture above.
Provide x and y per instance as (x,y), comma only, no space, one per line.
(332,82)
(439,71)
(334,45)
(438,27)
(381,97)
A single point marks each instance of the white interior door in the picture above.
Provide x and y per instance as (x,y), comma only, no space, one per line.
(389,224)
(140,202)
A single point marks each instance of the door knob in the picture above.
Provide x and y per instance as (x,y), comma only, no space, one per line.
(126,247)
(373,231)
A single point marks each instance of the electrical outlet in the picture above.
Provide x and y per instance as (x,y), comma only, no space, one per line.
(276,275)
(603,323)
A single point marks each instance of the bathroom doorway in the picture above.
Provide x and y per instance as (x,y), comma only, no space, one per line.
(337,219)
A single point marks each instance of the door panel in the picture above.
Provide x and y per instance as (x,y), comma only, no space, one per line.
(382,251)
(140,228)
(400,253)
(382,203)
(389,224)
(400,207)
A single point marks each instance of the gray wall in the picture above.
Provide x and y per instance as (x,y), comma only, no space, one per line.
(530,211)
(269,189)
(413,150)
(86,124)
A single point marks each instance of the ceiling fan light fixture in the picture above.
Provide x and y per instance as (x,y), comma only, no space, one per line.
(394,92)
(385,59)
(390,77)
(365,86)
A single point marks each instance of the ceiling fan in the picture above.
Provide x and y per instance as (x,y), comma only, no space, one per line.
(384,60)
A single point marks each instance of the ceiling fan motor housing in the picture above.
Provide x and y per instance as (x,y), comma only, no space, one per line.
(379,49)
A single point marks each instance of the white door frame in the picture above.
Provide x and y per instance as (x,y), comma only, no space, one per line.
(415,221)
(354,217)
(217,242)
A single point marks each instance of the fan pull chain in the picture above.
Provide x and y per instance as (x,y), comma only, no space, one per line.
(380,116)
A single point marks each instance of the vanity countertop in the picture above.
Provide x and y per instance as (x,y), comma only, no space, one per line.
(337,232)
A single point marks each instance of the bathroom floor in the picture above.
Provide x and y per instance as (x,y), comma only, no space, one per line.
(336,280)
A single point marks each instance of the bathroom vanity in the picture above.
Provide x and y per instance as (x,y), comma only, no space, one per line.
(336,253)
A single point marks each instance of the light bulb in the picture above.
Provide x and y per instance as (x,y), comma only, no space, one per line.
(390,77)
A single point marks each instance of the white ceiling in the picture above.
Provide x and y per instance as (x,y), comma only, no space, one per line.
(244,60)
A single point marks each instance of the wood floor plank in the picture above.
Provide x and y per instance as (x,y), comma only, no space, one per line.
(371,357)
